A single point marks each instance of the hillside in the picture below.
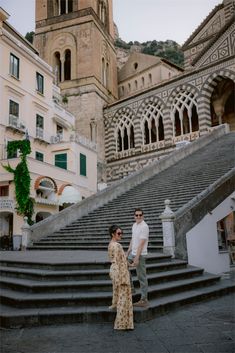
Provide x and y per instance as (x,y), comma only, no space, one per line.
(168,49)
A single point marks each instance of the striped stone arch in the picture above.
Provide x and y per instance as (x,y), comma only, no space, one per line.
(182,97)
(204,99)
(151,109)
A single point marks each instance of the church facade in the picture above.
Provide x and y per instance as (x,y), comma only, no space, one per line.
(149,107)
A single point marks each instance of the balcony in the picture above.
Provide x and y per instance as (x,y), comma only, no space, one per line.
(6,204)
(125,153)
(56,138)
(63,117)
(153,146)
(75,137)
(16,124)
(186,137)
(41,136)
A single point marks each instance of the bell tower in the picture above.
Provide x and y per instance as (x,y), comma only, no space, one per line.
(76,37)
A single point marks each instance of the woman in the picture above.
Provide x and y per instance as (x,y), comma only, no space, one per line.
(122,297)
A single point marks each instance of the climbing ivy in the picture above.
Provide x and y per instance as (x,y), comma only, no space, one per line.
(25,204)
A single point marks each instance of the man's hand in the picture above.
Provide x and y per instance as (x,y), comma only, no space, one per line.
(136,261)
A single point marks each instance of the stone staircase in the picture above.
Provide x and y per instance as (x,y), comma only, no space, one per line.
(180,183)
(44,293)
(69,281)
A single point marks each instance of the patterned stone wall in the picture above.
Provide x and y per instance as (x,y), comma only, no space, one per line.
(191,93)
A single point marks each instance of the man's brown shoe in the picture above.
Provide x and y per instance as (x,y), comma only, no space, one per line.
(141,303)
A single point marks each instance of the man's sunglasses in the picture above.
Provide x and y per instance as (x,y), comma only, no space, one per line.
(139,215)
(119,233)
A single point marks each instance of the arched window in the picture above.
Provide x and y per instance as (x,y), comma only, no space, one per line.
(152,123)
(103,12)
(67,65)
(57,67)
(125,138)
(65,6)
(136,84)
(184,113)
(142,81)
(150,79)
(103,72)
(160,129)
(107,75)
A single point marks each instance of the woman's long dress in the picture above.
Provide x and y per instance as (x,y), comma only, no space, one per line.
(122,296)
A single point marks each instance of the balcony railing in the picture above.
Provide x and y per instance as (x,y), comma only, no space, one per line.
(83,141)
(42,135)
(16,123)
(187,137)
(56,138)
(6,203)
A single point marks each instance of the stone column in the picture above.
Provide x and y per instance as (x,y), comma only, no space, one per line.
(25,234)
(167,218)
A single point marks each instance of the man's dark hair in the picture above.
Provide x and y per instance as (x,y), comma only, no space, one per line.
(139,209)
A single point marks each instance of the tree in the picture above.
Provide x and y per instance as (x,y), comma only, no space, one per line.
(21,178)
(29,36)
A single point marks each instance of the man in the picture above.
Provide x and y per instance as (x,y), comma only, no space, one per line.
(137,253)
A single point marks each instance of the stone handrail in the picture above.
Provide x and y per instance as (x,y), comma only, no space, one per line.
(76,211)
(191,213)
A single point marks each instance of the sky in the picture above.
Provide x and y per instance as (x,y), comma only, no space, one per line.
(137,20)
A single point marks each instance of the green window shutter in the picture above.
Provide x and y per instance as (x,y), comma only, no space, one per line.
(61,160)
(82,164)
(39,156)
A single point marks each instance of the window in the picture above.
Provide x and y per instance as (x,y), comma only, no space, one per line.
(61,160)
(11,154)
(14,108)
(67,65)
(39,156)
(59,130)
(39,83)
(82,164)
(39,121)
(66,6)
(14,66)
(4,190)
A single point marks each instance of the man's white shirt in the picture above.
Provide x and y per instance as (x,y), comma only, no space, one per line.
(139,232)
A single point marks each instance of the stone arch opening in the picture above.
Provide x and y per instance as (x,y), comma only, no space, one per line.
(222,104)
(184,114)
(152,122)
(124,133)
(40,216)
(67,65)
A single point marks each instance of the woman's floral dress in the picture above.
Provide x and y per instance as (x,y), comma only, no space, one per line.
(122,297)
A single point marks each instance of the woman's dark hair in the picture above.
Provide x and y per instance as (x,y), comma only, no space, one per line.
(112,229)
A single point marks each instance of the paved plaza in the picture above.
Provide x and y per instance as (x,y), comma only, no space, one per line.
(206,327)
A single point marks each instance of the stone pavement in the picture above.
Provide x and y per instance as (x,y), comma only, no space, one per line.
(204,327)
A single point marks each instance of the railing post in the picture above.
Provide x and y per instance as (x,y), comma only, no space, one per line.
(25,234)
(167,218)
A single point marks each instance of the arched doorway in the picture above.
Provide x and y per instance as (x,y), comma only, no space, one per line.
(6,230)
(40,216)
(223,103)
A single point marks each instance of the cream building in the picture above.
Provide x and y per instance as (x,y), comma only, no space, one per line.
(61,162)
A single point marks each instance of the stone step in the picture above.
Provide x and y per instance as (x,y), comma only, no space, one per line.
(65,246)
(97,298)
(91,284)
(83,242)
(20,317)
(44,274)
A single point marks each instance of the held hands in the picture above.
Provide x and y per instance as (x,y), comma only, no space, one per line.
(134,263)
